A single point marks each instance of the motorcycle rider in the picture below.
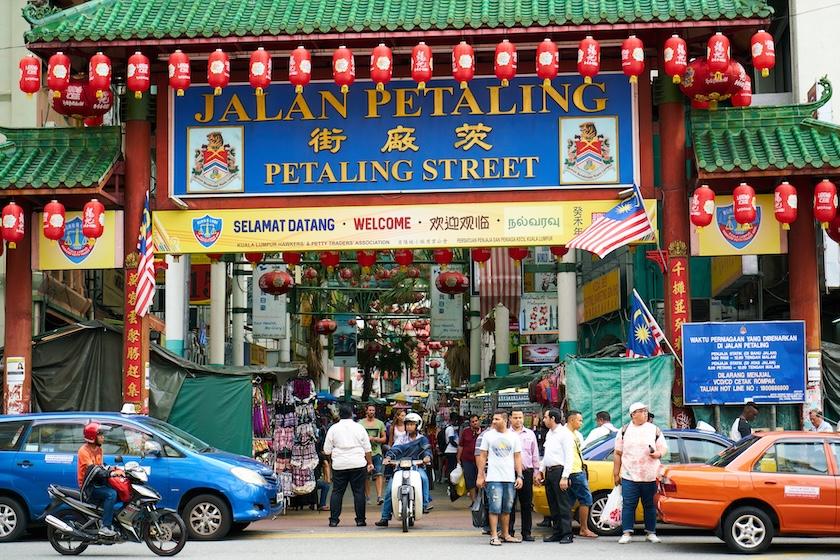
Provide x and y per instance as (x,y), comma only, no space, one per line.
(92,477)
(415,447)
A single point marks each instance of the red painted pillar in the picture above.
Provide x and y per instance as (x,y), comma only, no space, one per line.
(138,137)
(17,354)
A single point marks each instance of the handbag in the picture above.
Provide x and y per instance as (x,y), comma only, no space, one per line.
(611,514)
(456,474)
(478,510)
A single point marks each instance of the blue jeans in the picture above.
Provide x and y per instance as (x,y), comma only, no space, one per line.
(107,497)
(500,497)
(388,507)
(323,489)
(631,492)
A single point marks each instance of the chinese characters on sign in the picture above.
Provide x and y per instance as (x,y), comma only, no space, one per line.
(678,287)
(135,390)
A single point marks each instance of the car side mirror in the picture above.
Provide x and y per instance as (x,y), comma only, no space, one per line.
(118,459)
(152,448)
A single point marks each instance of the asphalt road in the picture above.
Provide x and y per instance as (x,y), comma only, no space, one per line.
(446,532)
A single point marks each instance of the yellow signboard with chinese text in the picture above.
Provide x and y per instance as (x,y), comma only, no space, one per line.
(724,236)
(602,295)
(74,251)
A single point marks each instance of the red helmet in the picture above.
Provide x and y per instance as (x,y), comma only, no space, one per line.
(91,431)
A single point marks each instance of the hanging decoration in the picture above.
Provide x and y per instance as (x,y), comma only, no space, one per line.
(300,68)
(325,327)
(138,74)
(276,282)
(548,61)
(58,73)
(463,63)
(702,206)
(54,215)
(452,282)
(79,101)
(291,258)
(744,201)
(381,66)
(179,72)
(763,51)
(700,85)
(676,57)
(13,224)
(259,71)
(346,273)
(215,257)
(329,259)
(784,204)
(480,255)
(93,219)
(743,96)
(91,122)
(366,260)
(833,229)
(518,254)
(505,62)
(825,202)
(344,68)
(218,71)
(558,251)
(254,258)
(633,58)
(99,73)
(718,54)
(310,274)
(30,75)
(589,58)
(404,258)
(413,272)
(442,257)
(434,364)
(421,64)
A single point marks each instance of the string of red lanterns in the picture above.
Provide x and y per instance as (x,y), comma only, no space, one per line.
(54,221)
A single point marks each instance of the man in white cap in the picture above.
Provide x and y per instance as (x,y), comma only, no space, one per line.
(638,449)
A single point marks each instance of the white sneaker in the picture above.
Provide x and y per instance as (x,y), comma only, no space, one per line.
(651,537)
(625,539)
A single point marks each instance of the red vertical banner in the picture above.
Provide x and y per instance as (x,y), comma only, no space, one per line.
(135,382)
(679,309)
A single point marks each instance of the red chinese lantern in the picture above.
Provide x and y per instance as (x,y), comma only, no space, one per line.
(138,74)
(325,326)
(13,224)
(442,257)
(346,273)
(833,229)
(329,259)
(30,74)
(54,220)
(310,274)
(381,66)
(435,345)
(825,202)
(276,282)
(452,282)
(215,257)
(58,73)
(80,101)
(421,64)
(505,62)
(259,70)
(701,105)
(366,259)
(254,258)
(179,72)
(99,73)
(633,58)
(744,199)
(404,257)
(418,324)
(763,52)
(548,61)
(300,68)
(463,63)
(784,204)
(344,68)
(93,219)
(702,206)
(558,251)
(434,364)
(518,254)
(676,57)
(589,58)
(218,70)
(743,91)
(413,272)
(480,255)
(291,258)
(91,122)
(717,54)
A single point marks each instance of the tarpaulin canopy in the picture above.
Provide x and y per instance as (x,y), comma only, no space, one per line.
(831,380)
(517,381)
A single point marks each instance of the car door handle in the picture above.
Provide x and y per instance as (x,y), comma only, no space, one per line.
(770,482)
(25,464)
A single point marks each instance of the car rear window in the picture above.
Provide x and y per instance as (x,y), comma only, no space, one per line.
(728,455)
(10,433)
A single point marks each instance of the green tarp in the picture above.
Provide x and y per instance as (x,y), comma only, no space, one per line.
(518,381)
(613,384)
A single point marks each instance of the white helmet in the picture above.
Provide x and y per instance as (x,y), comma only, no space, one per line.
(414,417)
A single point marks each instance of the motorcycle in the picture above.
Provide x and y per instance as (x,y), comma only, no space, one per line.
(73,523)
(407,491)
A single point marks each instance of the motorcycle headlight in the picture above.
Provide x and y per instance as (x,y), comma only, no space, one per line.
(405,464)
(248,476)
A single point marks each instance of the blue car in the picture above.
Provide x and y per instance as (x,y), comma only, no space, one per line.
(214,491)
(684,446)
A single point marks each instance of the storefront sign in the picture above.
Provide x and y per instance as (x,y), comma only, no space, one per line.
(602,295)
(539,354)
(15,375)
(732,363)
(344,341)
(258,355)
(135,390)
(680,299)
(725,236)
(374,227)
(74,251)
(402,139)
(538,314)
(447,312)
(268,313)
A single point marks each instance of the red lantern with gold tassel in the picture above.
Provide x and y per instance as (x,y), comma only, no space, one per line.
(93,219)
(825,202)
(518,254)
(54,215)
(179,72)
(13,224)
(763,51)
(259,71)
(452,282)
(633,58)
(99,73)
(742,97)
(421,64)
(558,251)
(30,75)
(325,326)
(254,258)
(480,255)
(675,55)
(744,204)
(442,257)
(276,282)
(505,62)
(215,257)
(381,66)
(366,259)
(718,54)
(589,58)
(548,61)
(702,206)
(300,68)
(329,259)
(291,258)
(463,63)
(784,204)
(138,74)
(218,71)
(344,68)
(58,73)
(404,258)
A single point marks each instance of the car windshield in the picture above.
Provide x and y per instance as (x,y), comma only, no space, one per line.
(729,454)
(178,436)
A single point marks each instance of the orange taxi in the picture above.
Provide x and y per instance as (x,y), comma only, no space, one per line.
(776,483)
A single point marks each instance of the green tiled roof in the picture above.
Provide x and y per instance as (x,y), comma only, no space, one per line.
(38,158)
(765,138)
(107,20)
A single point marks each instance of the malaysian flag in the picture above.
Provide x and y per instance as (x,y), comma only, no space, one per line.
(500,280)
(624,223)
(645,336)
(146,268)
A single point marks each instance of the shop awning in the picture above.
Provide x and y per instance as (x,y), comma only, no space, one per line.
(58,158)
(517,381)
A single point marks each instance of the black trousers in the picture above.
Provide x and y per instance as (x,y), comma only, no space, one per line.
(525,499)
(559,503)
(356,479)
(451,463)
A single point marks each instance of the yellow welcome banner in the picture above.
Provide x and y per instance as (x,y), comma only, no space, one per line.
(376,227)
(724,236)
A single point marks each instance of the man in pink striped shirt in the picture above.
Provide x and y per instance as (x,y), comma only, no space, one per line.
(530,462)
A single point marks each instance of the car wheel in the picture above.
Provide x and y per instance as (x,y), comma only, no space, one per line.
(748,530)
(12,519)
(599,501)
(208,518)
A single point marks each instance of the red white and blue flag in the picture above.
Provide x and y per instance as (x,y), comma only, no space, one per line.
(146,268)
(624,223)
(645,337)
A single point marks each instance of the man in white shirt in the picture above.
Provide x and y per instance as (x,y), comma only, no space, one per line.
(348,446)
(451,451)
(818,422)
(501,452)
(742,426)
(604,427)
(555,470)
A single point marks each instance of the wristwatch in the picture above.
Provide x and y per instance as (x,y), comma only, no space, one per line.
(519,477)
